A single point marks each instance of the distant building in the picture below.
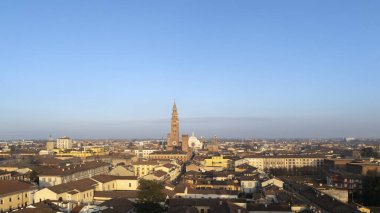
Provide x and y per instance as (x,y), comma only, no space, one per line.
(144,153)
(64,143)
(180,155)
(194,143)
(214,146)
(50,145)
(285,161)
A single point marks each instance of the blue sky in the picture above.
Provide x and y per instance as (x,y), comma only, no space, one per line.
(111,69)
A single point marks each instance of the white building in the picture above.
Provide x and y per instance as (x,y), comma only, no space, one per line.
(194,143)
(248,184)
(64,143)
(145,152)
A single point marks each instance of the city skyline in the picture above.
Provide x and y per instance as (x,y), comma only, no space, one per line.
(292,69)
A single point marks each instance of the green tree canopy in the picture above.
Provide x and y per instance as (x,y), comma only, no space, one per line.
(149,196)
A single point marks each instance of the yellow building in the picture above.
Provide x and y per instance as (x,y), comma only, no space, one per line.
(218,161)
(15,194)
(81,154)
(142,168)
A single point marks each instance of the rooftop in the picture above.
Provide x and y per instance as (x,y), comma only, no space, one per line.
(13,186)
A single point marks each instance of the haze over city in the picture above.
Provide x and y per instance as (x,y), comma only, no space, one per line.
(236,70)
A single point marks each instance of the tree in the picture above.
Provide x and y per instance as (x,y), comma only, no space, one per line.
(149,197)
(369,152)
(371,190)
(34,176)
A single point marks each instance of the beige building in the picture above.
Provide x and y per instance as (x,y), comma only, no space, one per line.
(15,194)
(180,155)
(80,191)
(50,145)
(51,176)
(285,161)
(121,171)
(112,183)
(64,143)
(142,168)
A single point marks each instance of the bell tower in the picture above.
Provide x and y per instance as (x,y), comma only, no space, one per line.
(173,137)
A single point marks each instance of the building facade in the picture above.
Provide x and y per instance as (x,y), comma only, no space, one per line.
(142,168)
(15,194)
(218,161)
(285,162)
(51,176)
(64,143)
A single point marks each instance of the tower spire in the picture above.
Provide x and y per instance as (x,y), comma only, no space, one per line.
(174,107)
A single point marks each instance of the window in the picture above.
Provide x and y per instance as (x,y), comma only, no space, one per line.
(1,201)
(130,184)
(10,199)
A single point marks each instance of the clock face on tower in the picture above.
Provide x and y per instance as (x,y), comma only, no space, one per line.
(174,143)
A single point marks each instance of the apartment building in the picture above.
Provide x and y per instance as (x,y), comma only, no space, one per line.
(64,143)
(142,168)
(80,191)
(15,194)
(285,161)
(218,161)
(51,176)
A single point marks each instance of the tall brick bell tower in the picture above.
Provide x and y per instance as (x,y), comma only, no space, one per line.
(173,137)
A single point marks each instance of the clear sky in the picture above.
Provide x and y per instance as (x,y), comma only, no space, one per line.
(111,69)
